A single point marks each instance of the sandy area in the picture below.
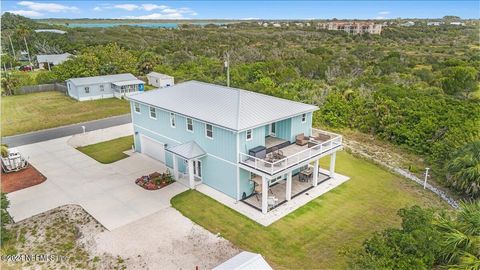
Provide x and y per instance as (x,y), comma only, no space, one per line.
(165,240)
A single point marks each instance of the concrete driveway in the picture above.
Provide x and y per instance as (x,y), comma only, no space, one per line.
(107,192)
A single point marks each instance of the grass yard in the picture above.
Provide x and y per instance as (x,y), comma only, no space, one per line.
(31,112)
(109,151)
(314,236)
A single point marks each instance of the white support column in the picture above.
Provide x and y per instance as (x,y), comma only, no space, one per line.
(315,173)
(332,163)
(191,179)
(175,167)
(264,194)
(288,188)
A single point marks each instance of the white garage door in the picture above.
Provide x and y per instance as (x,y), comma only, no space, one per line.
(152,148)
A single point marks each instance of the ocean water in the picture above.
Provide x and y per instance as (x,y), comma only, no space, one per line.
(147,25)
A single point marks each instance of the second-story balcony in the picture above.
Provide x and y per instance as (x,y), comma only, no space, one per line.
(281,154)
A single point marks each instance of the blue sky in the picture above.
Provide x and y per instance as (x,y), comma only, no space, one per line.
(243,9)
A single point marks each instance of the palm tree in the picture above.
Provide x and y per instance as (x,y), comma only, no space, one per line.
(463,171)
(460,238)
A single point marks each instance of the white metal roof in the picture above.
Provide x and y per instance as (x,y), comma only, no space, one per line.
(159,75)
(53,58)
(245,261)
(129,82)
(231,108)
(102,79)
(56,31)
(188,150)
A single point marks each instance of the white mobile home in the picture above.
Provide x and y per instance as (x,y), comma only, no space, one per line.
(98,87)
(160,80)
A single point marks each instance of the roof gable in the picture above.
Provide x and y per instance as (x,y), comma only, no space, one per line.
(103,79)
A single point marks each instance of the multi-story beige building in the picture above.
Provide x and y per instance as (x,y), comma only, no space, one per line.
(353,27)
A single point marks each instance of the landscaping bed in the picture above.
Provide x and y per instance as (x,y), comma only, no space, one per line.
(22,179)
(155,180)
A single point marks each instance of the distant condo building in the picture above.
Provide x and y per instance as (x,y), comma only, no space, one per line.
(353,27)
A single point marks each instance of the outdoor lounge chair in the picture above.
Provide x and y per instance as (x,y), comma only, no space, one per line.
(301,139)
(322,137)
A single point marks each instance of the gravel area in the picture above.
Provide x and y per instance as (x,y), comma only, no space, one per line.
(165,240)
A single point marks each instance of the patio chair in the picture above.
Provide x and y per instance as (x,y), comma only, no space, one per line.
(322,137)
(301,139)
(272,201)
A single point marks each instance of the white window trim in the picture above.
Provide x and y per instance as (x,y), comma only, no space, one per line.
(186,124)
(101,87)
(150,112)
(304,120)
(251,134)
(206,131)
(135,104)
(173,123)
(87,89)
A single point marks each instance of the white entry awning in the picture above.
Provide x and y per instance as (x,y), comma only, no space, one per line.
(188,150)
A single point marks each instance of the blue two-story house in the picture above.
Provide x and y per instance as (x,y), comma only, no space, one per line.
(244,144)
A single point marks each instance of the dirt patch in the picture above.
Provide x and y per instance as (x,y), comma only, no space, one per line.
(22,179)
(59,239)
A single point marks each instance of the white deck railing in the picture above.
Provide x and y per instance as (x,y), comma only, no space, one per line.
(318,148)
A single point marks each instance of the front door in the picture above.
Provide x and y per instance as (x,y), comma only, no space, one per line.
(197,168)
(273,129)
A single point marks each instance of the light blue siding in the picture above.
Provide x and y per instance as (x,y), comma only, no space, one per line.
(284,129)
(298,127)
(258,139)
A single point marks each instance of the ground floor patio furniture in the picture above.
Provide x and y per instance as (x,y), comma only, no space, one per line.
(258,187)
(301,139)
(306,174)
(272,201)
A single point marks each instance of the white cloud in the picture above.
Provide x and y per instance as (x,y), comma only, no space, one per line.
(380,18)
(150,7)
(48,7)
(250,19)
(384,12)
(97,9)
(158,16)
(26,13)
(128,7)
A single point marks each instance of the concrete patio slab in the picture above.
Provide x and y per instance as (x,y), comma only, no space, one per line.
(106,191)
(280,211)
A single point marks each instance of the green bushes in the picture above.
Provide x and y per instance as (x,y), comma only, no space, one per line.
(5,219)
(426,240)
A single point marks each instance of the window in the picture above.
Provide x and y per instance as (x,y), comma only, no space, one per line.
(87,90)
(153,113)
(102,87)
(249,135)
(209,131)
(304,118)
(172,120)
(189,124)
(137,107)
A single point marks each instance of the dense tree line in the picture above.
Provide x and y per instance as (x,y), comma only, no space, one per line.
(416,87)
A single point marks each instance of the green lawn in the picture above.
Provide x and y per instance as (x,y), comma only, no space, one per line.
(314,236)
(109,151)
(31,112)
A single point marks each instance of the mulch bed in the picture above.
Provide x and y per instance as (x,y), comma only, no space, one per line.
(22,179)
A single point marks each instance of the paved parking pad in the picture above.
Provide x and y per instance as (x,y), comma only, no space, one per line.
(106,191)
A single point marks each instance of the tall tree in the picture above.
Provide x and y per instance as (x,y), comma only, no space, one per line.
(463,171)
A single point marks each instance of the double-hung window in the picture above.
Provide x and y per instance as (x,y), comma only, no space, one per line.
(102,88)
(249,135)
(172,120)
(209,131)
(153,113)
(190,124)
(87,90)
(304,118)
(137,107)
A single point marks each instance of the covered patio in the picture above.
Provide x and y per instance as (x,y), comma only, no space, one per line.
(191,152)
(279,190)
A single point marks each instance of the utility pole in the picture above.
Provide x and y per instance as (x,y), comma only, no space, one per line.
(227,65)
(426,176)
